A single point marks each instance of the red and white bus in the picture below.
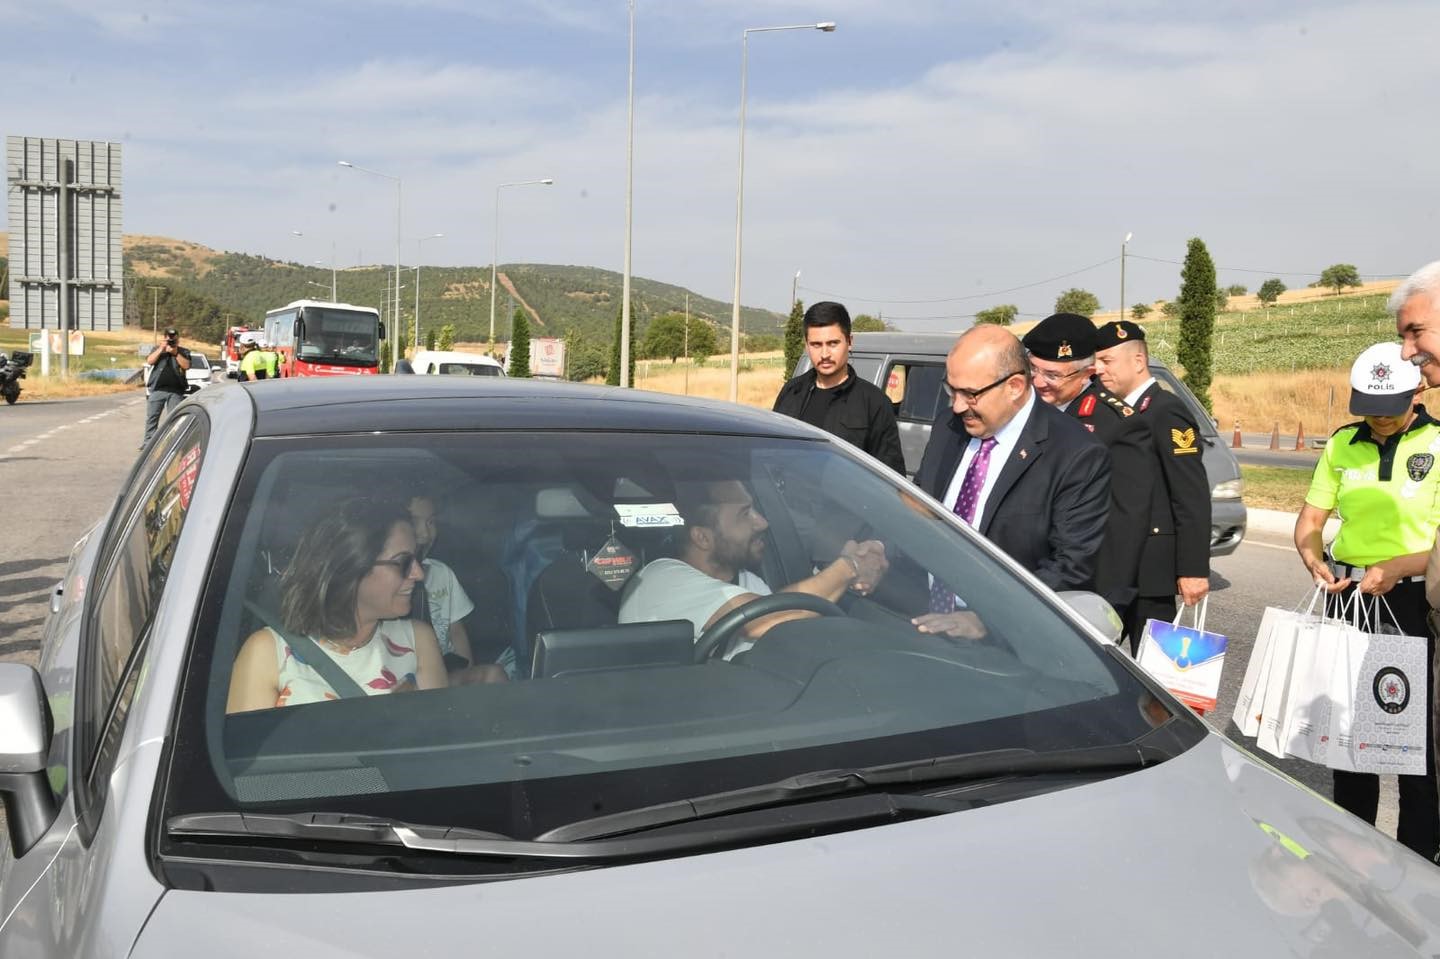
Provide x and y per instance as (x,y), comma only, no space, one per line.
(319,338)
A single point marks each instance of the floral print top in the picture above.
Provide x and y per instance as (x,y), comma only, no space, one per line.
(383,663)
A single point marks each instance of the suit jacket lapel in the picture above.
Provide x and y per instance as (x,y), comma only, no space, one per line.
(950,458)
(1032,444)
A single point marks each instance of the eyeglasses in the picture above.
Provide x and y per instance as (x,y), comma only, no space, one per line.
(970,396)
(1052,377)
(403,562)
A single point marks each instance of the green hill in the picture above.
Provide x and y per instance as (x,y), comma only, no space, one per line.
(208,289)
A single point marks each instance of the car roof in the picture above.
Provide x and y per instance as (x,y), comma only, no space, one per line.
(352,404)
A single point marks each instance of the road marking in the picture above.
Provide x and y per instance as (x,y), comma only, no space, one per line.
(1251,542)
(26,444)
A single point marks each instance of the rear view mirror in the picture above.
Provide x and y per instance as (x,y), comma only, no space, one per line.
(1095,611)
(24,745)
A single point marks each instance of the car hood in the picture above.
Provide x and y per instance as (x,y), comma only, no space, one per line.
(1212,852)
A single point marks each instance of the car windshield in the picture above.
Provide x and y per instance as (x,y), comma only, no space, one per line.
(198,361)
(346,337)
(579,552)
(469,369)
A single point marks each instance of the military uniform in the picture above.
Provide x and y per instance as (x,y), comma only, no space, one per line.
(1067,337)
(1177,542)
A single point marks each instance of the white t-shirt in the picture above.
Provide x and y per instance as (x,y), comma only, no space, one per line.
(448,602)
(672,589)
(383,663)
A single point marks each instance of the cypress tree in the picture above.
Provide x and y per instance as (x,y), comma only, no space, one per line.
(1197,319)
(612,369)
(520,346)
(794,339)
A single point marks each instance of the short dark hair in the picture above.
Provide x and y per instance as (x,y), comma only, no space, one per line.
(318,589)
(828,313)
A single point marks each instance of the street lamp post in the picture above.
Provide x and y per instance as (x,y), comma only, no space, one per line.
(629,206)
(333,297)
(794,290)
(154,313)
(419,254)
(399,207)
(827,27)
(1122,273)
(495,252)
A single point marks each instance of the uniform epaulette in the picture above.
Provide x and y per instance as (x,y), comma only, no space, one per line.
(1120,406)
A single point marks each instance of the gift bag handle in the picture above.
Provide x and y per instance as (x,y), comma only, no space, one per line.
(1200,609)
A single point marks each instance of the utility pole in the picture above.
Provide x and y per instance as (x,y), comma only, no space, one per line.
(155,311)
(687,344)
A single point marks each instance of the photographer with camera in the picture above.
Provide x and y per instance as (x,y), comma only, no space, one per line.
(167,385)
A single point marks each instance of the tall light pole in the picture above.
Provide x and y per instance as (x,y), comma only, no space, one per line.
(419,253)
(154,314)
(1122,273)
(827,27)
(495,253)
(333,298)
(794,290)
(629,205)
(399,206)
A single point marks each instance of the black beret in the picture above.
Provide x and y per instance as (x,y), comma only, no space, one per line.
(1116,332)
(1064,336)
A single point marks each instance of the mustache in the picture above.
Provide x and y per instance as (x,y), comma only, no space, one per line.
(1420,359)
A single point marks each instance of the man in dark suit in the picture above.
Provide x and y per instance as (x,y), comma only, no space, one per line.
(1025,475)
(1176,558)
(1062,363)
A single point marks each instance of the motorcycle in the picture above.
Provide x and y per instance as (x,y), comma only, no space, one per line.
(12,371)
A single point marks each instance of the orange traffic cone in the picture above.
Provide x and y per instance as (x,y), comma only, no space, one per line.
(1235,442)
(1275,437)
(1299,437)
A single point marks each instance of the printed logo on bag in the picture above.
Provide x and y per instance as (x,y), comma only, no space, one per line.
(1419,465)
(1392,690)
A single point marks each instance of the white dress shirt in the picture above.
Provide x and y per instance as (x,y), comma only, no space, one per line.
(1134,397)
(1005,439)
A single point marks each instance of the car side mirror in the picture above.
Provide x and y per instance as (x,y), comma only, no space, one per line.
(1095,611)
(25,727)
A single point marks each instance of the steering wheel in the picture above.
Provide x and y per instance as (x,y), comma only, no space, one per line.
(723,630)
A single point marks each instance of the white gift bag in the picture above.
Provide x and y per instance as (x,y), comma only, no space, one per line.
(1389,677)
(1247,715)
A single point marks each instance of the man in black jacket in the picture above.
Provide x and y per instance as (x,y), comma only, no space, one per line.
(831,396)
(1176,558)
(167,383)
(1062,367)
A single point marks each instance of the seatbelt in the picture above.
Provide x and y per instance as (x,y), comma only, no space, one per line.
(313,656)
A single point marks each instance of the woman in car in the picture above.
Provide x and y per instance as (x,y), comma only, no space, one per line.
(345,596)
(1380,475)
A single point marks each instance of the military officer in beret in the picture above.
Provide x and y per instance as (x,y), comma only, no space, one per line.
(1176,558)
(1062,364)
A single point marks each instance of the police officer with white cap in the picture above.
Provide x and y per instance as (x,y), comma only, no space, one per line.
(1380,474)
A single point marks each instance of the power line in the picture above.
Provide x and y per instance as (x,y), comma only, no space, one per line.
(969,296)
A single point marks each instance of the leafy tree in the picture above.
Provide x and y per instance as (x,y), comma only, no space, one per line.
(794,339)
(1140,310)
(1339,276)
(1170,308)
(666,337)
(1082,302)
(1270,291)
(584,359)
(520,345)
(446,339)
(1236,289)
(1222,300)
(1002,315)
(865,323)
(430,338)
(1197,319)
(612,372)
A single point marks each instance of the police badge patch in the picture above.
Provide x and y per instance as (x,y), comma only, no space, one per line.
(1418,466)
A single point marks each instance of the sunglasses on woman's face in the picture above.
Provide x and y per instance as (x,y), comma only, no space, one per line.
(402,562)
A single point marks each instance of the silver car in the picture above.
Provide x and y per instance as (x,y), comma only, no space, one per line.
(809,776)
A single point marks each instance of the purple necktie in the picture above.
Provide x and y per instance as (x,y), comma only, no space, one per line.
(941,599)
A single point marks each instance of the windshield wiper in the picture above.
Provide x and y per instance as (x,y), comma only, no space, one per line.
(962,768)
(346,828)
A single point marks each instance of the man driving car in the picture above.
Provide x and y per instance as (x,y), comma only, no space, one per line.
(721,544)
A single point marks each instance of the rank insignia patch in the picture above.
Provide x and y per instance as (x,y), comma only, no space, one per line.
(1184,441)
(1087,406)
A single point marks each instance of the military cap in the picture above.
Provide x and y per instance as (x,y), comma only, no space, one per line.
(1064,336)
(1116,332)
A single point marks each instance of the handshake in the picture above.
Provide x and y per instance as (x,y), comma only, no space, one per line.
(869,562)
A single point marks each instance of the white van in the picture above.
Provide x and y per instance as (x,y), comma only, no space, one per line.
(456,363)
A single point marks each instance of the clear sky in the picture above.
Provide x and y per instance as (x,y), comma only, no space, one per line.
(918,162)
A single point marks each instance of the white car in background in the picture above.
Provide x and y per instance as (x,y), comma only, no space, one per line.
(456,363)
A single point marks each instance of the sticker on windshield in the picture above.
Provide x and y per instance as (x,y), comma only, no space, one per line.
(642,515)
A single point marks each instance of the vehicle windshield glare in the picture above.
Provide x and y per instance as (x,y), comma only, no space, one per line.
(580,554)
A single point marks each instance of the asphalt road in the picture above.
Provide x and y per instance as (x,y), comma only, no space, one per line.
(62,463)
